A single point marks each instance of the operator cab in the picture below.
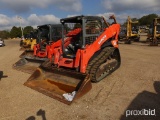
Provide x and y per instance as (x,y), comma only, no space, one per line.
(48,33)
(90,27)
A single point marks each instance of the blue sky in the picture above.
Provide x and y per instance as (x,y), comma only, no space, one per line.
(38,12)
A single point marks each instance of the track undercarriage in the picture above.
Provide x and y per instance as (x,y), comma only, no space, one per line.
(104,64)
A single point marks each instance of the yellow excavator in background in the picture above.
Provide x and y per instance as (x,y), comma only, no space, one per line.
(130,33)
(154,32)
(29,41)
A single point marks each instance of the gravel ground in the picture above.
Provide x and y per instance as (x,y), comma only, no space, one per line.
(134,86)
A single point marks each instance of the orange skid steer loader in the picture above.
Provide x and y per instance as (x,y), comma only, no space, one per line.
(30,60)
(87,56)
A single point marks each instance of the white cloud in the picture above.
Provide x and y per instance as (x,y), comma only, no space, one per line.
(7,22)
(130,5)
(4,20)
(73,15)
(121,18)
(21,6)
(106,15)
(33,20)
(70,5)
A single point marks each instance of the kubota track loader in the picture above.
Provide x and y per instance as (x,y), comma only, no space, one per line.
(90,53)
(30,60)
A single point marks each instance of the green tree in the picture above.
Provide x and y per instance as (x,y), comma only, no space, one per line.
(27,29)
(15,32)
(144,20)
(147,20)
(4,34)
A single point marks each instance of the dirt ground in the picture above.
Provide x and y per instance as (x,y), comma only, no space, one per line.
(134,86)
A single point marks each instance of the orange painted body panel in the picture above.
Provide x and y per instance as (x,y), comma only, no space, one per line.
(83,55)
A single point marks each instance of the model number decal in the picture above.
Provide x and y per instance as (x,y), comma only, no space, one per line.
(102,39)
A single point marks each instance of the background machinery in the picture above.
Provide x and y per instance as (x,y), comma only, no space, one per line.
(88,53)
(30,60)
(154,32)
(28,41)
(46,34)
(131,32)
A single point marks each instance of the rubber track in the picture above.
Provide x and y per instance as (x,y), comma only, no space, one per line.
(95,63)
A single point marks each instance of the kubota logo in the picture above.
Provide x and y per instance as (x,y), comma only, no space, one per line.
(102,39)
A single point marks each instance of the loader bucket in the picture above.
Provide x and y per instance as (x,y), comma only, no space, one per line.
(30,56)
(26,53)
(25,47)
(22,49)
(65,86)
(26,65)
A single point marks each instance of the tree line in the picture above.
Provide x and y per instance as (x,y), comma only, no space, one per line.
(16,31)
(146,20)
